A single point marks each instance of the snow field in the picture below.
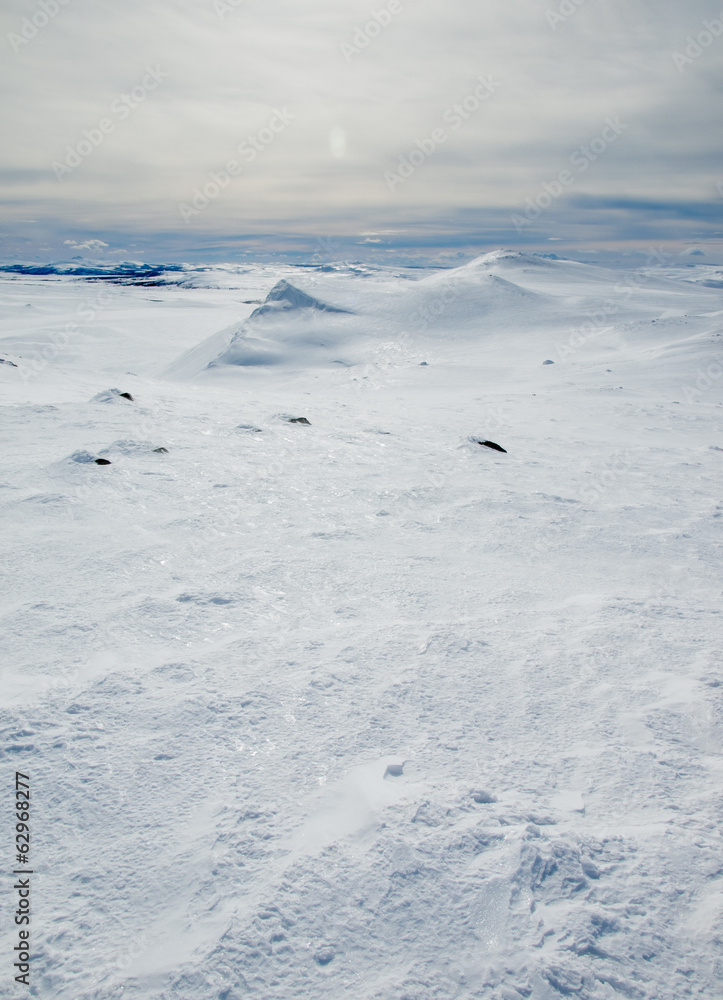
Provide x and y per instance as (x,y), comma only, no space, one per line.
(266,682)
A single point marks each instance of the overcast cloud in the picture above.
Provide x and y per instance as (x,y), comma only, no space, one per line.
(351,121)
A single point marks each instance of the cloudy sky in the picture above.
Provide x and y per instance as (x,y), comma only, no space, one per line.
(200,129)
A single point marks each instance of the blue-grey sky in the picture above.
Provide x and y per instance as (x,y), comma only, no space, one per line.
(188,128)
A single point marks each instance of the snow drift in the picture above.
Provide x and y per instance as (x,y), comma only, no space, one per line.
(359,706)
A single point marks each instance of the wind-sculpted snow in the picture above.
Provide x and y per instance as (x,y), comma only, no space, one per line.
(285,297)
(321,694)
(293,327)
(290,327)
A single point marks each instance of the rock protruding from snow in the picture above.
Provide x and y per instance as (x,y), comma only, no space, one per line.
(111,396)
(489,444)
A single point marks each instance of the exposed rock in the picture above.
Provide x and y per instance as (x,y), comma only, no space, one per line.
(111,395)
(489,444)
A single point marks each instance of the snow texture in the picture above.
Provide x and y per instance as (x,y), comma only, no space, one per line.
(358,708)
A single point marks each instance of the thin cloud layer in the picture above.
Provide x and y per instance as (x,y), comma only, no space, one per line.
(273,120)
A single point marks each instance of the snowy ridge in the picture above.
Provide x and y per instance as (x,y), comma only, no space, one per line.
(182,275)
(284,296)
(290,326)
(127,272)
(319,697)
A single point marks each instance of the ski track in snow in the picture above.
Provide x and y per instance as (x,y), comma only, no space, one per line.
(362,709)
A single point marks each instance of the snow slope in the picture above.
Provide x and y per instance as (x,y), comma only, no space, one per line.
(359,708)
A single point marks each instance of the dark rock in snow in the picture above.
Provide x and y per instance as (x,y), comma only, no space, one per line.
(160,451)
(111,396)
(490,444)
(299,420)
(423,364)
(548,362)
(102,461)
(4,361)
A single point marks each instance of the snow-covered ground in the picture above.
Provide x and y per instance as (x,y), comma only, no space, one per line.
(360,707)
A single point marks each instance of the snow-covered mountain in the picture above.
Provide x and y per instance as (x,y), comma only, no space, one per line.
(320,697)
